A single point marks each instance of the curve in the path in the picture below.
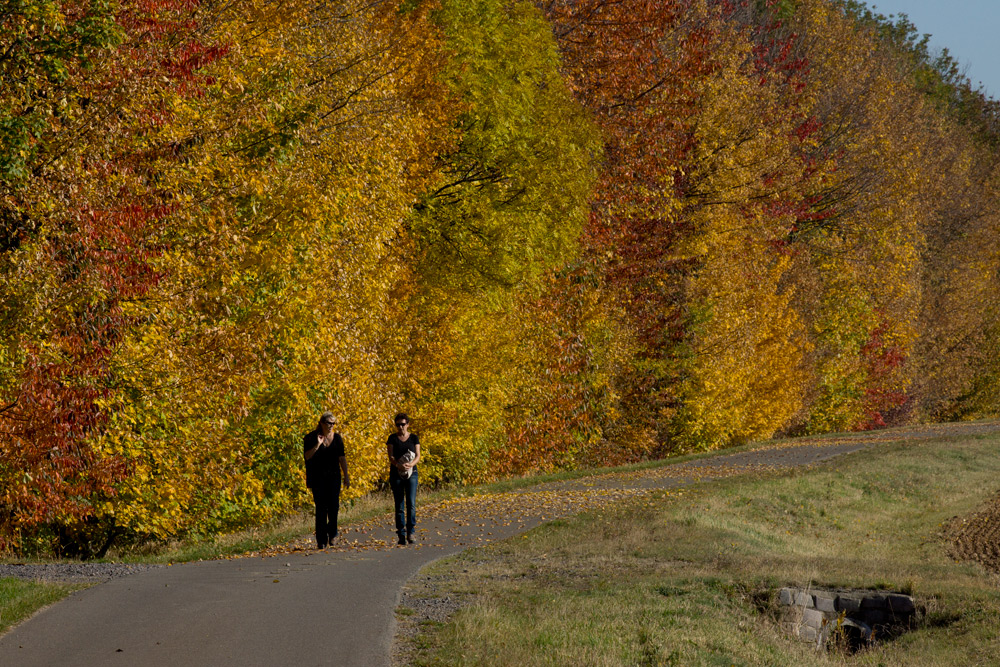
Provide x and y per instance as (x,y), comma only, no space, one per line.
(331,607)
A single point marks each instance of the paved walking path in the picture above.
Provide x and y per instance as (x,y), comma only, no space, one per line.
(335,607)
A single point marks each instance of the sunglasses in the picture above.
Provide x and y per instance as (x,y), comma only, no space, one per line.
(398,424)
(329,423)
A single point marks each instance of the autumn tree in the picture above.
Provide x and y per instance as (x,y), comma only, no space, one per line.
(216,233)
(79,236)
(299,168)
(504,209)
(557,233)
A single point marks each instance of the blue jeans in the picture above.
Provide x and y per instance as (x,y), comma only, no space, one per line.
(404,490)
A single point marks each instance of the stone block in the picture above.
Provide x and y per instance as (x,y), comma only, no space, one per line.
(900,605)
(803,599)
(876,601)
(848,603)
(826,602)
(786,596)
(808,634)
(813,618)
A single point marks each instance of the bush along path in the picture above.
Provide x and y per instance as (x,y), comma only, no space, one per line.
(295,604)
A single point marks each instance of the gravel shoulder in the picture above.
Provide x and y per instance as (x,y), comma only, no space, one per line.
(76,573)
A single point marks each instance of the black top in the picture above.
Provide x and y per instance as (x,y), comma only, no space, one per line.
(324,466)
(400,447)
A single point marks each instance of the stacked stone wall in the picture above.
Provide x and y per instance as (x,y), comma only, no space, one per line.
(859,617)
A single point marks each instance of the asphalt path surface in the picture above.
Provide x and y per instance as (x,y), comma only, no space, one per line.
(336,606)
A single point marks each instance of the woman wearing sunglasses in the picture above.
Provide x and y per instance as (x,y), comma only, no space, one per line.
(326,469)
(403,448)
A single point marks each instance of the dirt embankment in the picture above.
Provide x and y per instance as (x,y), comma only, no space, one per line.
(977,536)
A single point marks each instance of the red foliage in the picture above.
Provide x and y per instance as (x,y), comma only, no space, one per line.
(100,259)
(641,87)
(57,413)
(883,359)
(546,438)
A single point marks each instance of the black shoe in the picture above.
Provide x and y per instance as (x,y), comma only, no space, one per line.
(402,541)
(409,538)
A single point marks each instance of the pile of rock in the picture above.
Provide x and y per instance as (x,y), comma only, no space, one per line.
(73,571)
(855,616)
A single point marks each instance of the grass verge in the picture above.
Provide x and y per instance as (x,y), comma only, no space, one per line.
(20,599)
(688,579)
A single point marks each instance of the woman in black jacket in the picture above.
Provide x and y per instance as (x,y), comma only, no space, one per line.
(325,460)
(403,449)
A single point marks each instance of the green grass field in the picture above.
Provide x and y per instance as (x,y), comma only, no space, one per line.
(20,599)
(689,579)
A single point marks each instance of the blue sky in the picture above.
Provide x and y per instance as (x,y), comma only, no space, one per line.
(969,29)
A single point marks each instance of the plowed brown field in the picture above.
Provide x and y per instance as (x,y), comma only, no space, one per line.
(977,536)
